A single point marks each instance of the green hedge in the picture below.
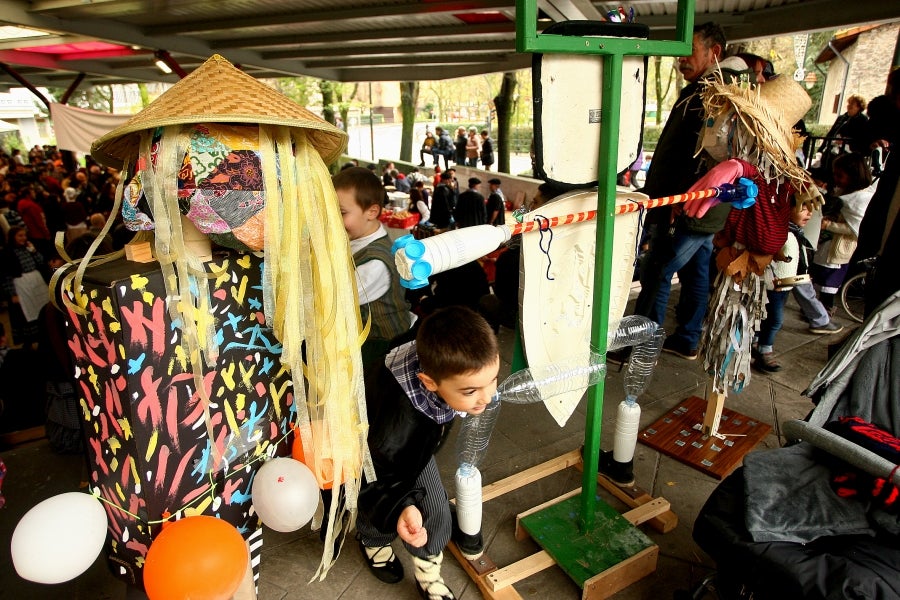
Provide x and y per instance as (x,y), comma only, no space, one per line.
(520,138)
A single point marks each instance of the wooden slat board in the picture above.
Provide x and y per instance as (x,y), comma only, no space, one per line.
(678,434)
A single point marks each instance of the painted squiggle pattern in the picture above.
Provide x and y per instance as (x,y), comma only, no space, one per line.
(144,421)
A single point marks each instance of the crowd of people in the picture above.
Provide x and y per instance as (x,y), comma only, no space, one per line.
(44,192)
(469,148)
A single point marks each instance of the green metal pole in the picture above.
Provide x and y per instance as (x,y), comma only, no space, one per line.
(613,49)
(606,205)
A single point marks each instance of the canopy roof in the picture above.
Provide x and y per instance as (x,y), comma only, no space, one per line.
(115,41)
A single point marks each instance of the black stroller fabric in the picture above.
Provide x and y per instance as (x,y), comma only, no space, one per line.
(777,529)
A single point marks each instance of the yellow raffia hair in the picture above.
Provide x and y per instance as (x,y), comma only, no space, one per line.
(310,303)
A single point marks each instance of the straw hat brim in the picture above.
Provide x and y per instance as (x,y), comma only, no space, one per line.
(768,113)
(218,92)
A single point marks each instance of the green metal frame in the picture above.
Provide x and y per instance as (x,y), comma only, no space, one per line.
(613,49)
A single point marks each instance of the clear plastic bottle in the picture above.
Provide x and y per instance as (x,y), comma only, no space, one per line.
(630,331)
(471,446)
(539,383)
(475,435)
(643,362)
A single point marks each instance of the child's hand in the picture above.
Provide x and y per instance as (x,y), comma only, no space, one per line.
(410,529)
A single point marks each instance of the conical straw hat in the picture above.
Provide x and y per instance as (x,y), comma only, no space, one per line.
(218,92)
(767,114)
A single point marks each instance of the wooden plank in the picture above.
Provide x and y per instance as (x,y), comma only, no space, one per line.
(621,575)
(535,473)
(521,534)
(645,512)
(519,570)
(714,405)
(678,434)
(139,252)
(634,496)
(22,436)
(506,593)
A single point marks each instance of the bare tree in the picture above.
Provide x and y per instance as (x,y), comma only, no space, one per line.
(409,100)
(503,104)
(327,90)
(661,93)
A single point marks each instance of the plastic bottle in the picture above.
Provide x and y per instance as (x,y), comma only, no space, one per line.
(471,446)
(643,362)
(539,383)
(630,331)
(468,499)
(475,434)
(416,260)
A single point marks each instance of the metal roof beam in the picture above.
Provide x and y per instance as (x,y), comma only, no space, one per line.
(812,15)
(356,51)
(410,7)
(382,36)
(405,60)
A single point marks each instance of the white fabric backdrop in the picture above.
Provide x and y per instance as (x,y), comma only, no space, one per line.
(77,128)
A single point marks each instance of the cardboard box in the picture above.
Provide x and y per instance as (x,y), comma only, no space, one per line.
(147,439)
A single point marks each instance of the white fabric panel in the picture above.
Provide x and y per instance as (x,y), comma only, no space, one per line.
(557,302)
(77,128)
(571,97)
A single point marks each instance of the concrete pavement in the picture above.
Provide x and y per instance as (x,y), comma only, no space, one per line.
(526,435)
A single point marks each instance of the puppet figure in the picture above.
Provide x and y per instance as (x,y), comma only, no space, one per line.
(748,133)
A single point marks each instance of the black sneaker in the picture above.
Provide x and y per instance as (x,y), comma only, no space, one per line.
(470,546)
(622,474)
(388,571)
(829,327)
(673,346)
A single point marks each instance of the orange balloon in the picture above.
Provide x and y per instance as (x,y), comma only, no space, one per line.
(325,473)
(195,558)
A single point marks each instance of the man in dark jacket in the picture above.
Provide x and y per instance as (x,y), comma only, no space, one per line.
(443,147)
(469,209)
(685,244)
(442,203)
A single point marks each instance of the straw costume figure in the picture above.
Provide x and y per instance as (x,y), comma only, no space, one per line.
(246,167)
(749,134)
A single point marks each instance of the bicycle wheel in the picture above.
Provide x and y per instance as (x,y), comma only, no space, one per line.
(853,295)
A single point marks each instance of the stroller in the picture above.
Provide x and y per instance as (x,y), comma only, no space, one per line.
(783,525)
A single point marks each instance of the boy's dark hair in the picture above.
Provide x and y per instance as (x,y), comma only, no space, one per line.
(455,340)
(366,186)
(854,165)
(711,34)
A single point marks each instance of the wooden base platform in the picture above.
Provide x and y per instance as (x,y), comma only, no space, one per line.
(619,553)
(678,434)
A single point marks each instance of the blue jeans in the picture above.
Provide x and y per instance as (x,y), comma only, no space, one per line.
(805,295)
(688,254)
(438,153)
(773,321)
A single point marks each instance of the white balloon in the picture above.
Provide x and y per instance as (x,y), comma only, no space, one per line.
(59,538)
(285,494)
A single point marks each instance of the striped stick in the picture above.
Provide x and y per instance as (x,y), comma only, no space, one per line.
(622,209)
